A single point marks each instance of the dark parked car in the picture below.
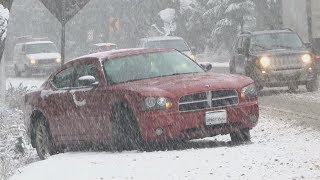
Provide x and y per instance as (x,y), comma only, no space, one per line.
(129,98)
(273,59)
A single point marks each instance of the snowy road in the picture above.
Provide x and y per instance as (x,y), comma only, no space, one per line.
(285,145)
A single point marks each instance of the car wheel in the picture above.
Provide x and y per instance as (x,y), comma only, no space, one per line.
(27,71)
(17,72)
(43,140)
(240,136)
(125,131)
(312,85)
(232,67)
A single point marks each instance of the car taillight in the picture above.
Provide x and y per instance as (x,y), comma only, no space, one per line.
(318,57)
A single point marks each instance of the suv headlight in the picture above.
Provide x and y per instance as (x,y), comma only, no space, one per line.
(249,91)
(33,61)
(265,61)
(156,103)
(58,60)
(306,58)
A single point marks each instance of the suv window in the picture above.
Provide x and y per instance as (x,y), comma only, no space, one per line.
(64,79)
(84,70)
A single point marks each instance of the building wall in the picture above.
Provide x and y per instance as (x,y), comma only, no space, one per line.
(294,15)
(315,17)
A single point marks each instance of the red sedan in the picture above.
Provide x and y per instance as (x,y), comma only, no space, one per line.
(129,98)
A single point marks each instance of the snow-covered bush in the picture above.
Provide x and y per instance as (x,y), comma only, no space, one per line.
(15,96)
(15,150)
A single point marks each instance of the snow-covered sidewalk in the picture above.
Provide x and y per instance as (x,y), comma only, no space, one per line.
(279,150)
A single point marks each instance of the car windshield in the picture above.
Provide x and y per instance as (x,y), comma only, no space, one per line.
(151,65)
(174,44)
(275,41)
(41,48)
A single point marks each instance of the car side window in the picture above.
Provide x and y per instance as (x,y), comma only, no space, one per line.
(64,79)
(84,70)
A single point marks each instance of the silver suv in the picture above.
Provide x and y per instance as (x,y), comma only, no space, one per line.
(36,57)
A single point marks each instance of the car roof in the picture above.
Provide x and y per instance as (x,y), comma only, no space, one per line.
(161,38)
(38,42)
(105,44)
(122,53)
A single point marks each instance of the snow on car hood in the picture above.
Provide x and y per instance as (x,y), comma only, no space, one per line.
(186,84)
(276,52)
(40,56)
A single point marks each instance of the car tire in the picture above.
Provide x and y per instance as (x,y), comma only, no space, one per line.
(125,131)
(43,139)
(17,72)
(240,136)
(232,67)
(312,85)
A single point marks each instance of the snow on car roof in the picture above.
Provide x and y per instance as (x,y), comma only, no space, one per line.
(162,38)
(40,42)
(105,44)
(272,31)
(122,53)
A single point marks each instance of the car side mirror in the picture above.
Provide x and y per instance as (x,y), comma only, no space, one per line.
(308,45)
(88,81)
(206,65)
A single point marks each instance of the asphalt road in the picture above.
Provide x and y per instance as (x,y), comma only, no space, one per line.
(301,107)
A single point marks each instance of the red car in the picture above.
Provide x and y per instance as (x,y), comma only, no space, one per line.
(130,98)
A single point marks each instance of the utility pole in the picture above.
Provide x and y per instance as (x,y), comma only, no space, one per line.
(63,32)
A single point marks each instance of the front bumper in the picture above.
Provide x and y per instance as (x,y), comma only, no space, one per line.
(191,125)
(281,78)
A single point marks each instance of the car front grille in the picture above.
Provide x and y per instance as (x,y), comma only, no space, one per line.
(209,99)
(47,61)
(287,62)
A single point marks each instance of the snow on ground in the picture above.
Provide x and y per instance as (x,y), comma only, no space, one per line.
(279,150)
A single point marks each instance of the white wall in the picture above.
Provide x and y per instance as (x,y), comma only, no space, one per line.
(294,16)
(315,7)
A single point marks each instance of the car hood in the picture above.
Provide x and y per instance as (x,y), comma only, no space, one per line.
(175,86)
(280,52)
(40,56)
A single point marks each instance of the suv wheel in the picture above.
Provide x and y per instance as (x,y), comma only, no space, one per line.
(240,136)
(125,131)
(312,85)
(17,72)
(232,67)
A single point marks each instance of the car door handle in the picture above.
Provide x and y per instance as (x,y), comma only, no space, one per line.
(78,103)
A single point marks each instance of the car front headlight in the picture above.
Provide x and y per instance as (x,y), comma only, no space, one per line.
(249,91)
(265,61)
(33,61)
(156,103)
(306,58)
(58,60)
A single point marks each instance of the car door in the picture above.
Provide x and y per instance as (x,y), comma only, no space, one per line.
(88,103)
(59,102)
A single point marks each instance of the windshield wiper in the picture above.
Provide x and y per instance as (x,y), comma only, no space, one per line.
(281,46)
(260,46)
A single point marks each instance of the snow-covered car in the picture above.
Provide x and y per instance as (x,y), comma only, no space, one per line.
(129,98)
(275,58)
(173,42)
(100,47)
(35,57)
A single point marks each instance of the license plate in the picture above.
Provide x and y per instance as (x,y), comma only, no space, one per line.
(216,117)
